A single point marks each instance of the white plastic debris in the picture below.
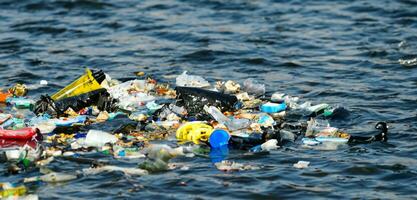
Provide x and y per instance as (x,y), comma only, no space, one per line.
(301,164)
(110,168)
(231,87)
(409,62)
(186,80)
(53,177)
(277,97)
(270,145)
(402,44)
(229,166)
(253,87)
(244,96)
(43,82)
(96,138)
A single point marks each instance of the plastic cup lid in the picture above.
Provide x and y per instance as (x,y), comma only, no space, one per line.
(218,138)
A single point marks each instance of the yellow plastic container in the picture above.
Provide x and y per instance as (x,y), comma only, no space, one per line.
(12,192)
(86,83)
(194,132)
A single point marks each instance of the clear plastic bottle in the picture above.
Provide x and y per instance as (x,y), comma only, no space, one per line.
(232,124)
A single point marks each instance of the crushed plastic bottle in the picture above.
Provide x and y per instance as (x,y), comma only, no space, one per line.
(232,124)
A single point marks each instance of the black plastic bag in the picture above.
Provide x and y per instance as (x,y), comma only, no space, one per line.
(100,97)
(194,99)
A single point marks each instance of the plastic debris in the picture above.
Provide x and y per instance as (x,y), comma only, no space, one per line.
(273,107)
(229,166)
(229,87)
(88,82)
(43,82)
(148,123)
(96,138)
(219,138)
(110,168)
(253,87)
(21,134)
(185,80)
(53,177)
(10,190)
(194,131)
(19,90)
(408,62)
(301,164)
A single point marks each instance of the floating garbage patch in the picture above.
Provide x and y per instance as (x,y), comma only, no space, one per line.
(156,123)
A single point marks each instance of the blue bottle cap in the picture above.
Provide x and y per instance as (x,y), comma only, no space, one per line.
(122,153)
(218,138)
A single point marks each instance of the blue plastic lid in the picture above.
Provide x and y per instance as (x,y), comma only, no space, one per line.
(218,138)
(273,107)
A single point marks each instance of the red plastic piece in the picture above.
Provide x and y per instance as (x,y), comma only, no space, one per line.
(21,134)
(9,143)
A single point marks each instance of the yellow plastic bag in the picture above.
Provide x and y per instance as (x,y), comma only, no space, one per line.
(86,83)
(194,132)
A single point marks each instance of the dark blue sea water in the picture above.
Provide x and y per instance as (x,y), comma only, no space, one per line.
(339,52)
